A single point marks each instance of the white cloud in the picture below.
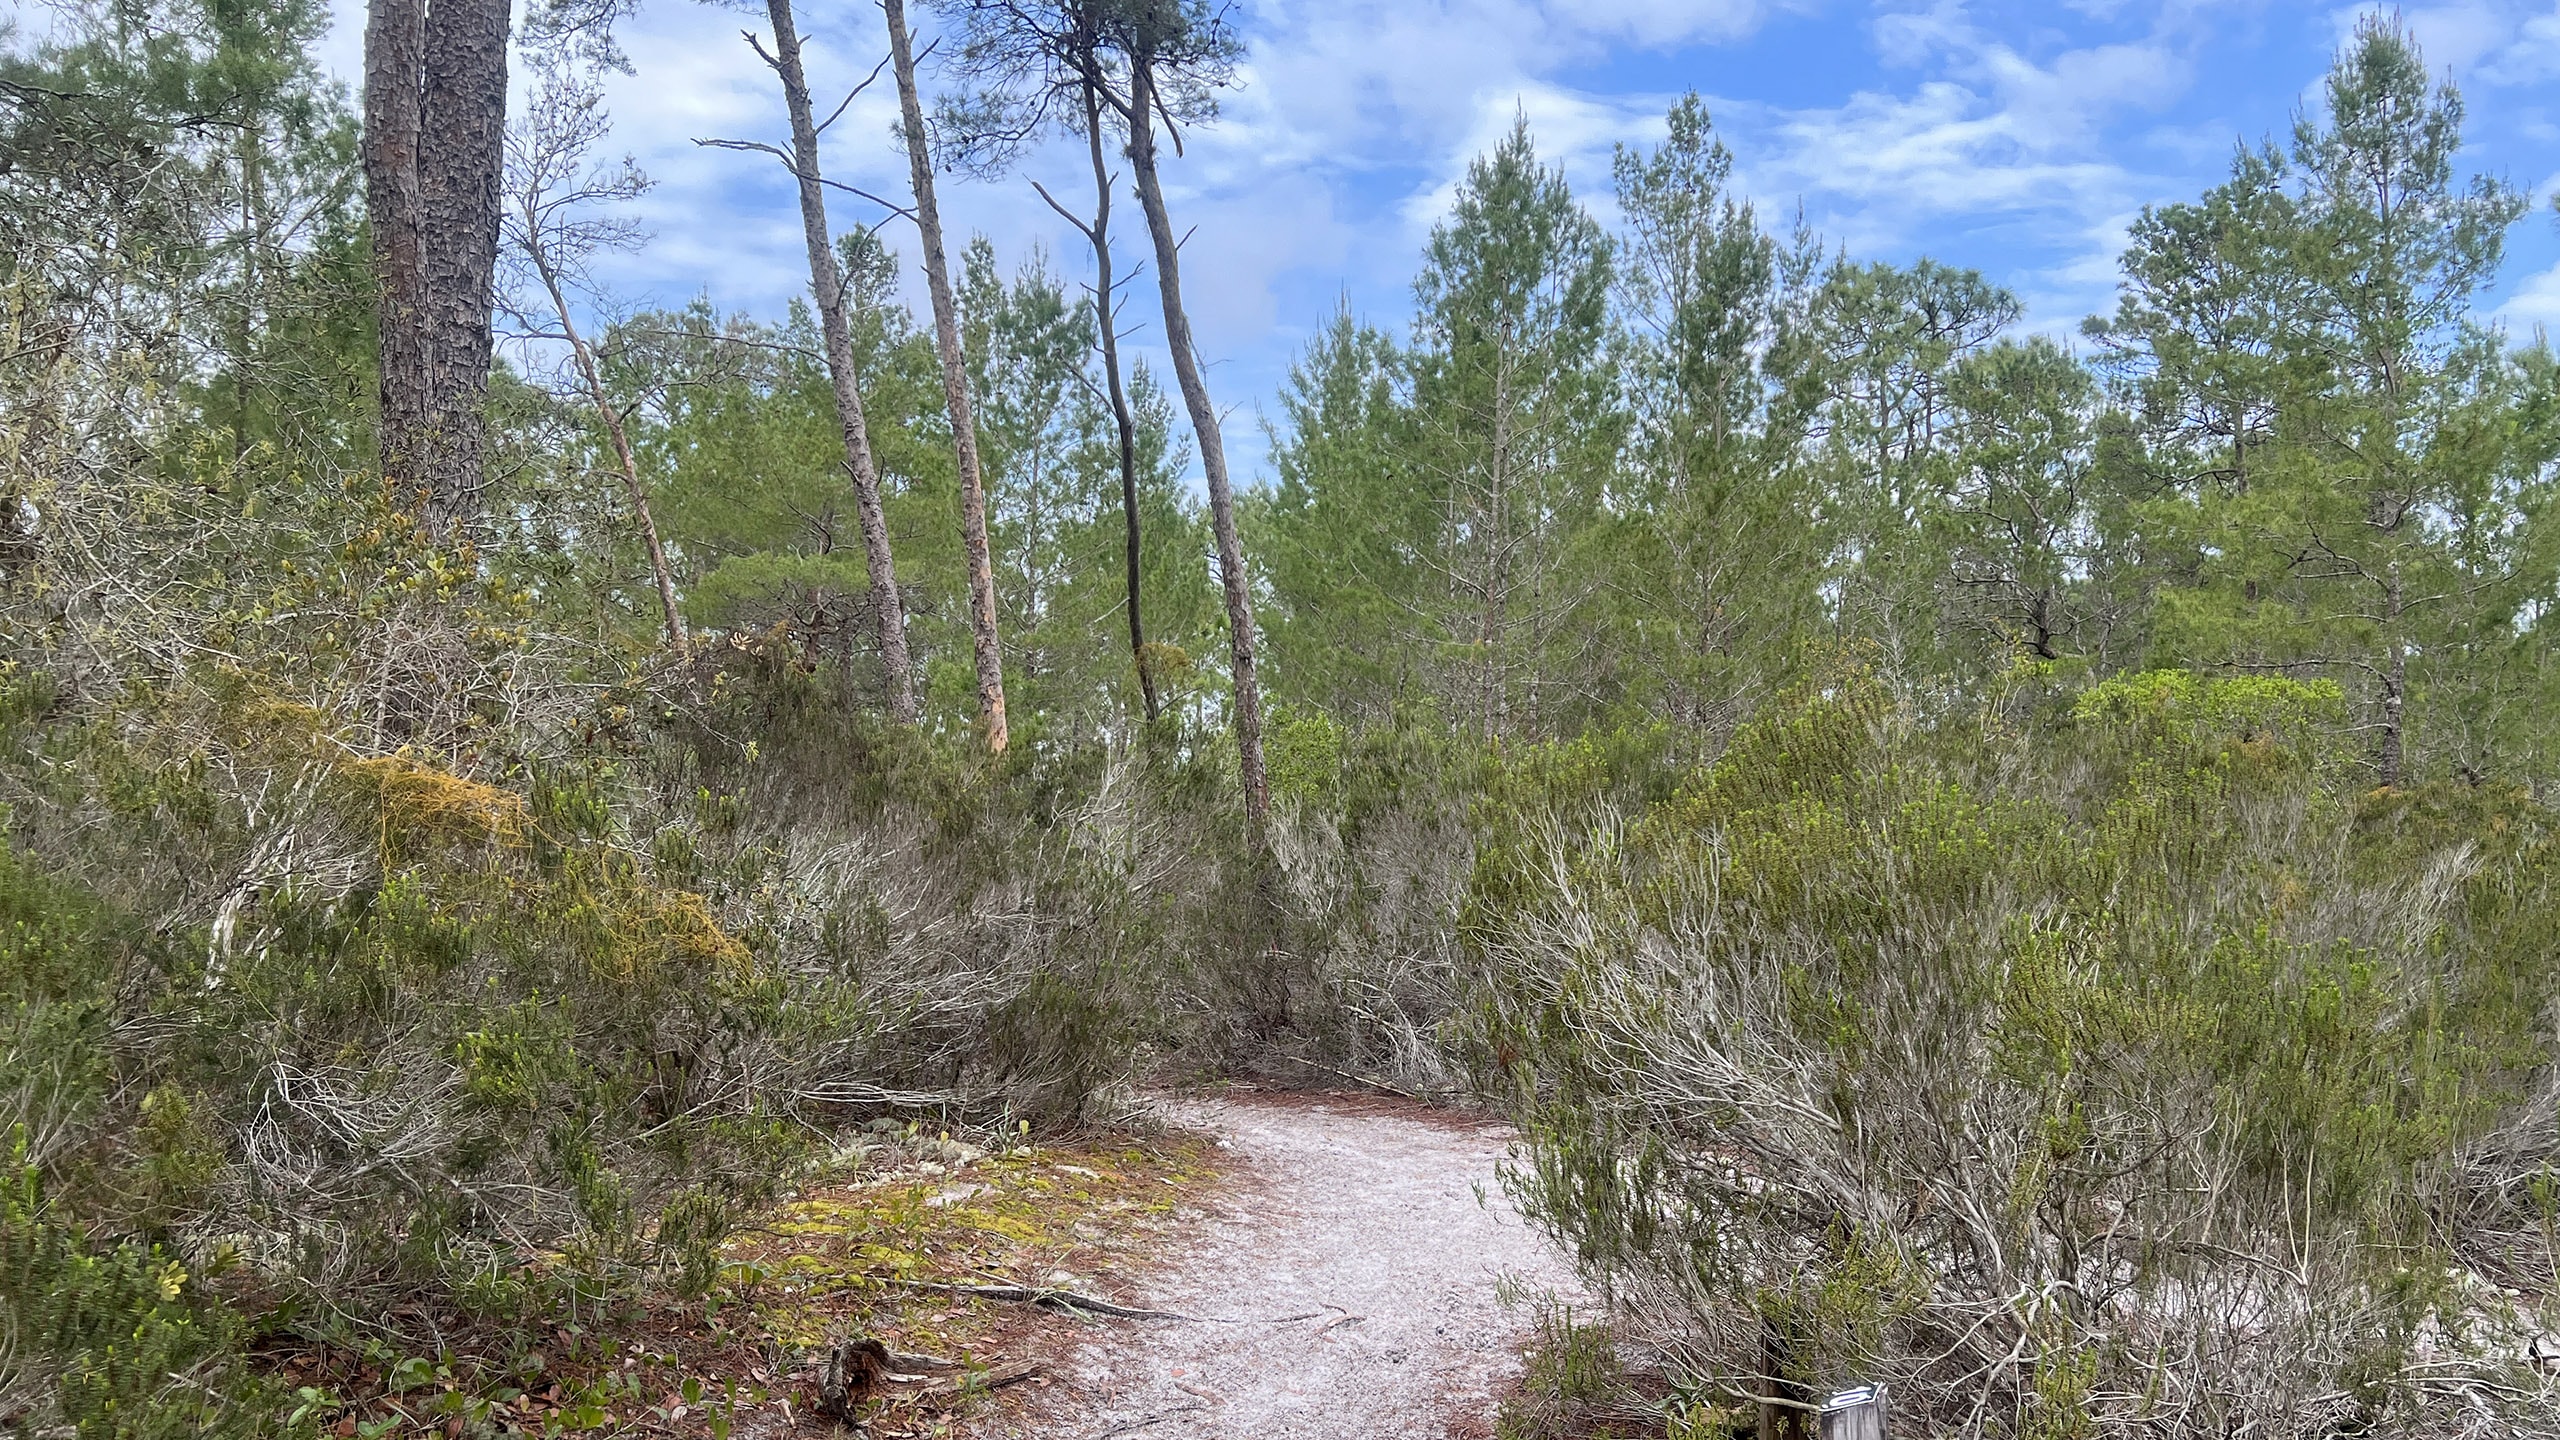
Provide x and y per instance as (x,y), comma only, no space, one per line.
(1660,23)
(2458,36)
(2496,42)
(2533,55)
(1881,165)
(2535,306)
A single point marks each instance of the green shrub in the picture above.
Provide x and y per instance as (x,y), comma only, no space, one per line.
(1573,1379)
(2133,1076)
(115,1341)
(466,1034)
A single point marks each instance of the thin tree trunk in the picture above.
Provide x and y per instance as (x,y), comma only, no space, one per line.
(1788,1418)
(593,378)
(827,288)
(1496,593)
(254,232)
(1106,313)
(955,386)
(2395,687)
(1213,452)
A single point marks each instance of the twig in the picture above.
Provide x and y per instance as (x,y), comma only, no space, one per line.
(778,153)
(1063,212)
(856,91)
(1046,1295)
(1157,1418)
(1374,1082)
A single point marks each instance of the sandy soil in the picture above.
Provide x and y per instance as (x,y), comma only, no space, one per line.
(1345,1290)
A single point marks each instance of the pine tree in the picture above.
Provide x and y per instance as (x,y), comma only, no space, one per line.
(1345,530)
(1715,555)
(435,102)
(1891,338)
(2346,494)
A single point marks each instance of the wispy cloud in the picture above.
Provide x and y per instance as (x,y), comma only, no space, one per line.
(2490,42)
(2535,306)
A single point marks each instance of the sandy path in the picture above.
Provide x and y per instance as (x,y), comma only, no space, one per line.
(1383,1226)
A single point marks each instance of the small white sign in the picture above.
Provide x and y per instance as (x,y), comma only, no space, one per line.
(1853,1415)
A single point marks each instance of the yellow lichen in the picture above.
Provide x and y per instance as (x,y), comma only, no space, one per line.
(857,1253)
(421,801)
(634,932)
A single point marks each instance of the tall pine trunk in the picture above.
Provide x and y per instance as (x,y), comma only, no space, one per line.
(826,284)
(2395,682)
(1213,452)
(955,385)
(394,67)
(434,159)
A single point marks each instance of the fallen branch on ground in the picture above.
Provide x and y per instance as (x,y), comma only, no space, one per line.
(1010,1377)
(1372,1081)
(1157,1418)
(1046,1295)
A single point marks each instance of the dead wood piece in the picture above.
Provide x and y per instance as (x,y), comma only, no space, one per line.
(851,1374)
(1374,1083)
(1048,1296)
(950,1385)
(1009,1377)
(1143,1422)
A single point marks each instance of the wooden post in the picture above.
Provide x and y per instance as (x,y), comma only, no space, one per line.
(1853,1415)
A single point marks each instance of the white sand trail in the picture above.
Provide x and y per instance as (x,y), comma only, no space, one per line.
(1347,1289)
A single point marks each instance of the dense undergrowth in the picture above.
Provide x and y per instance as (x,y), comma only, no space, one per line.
(382,967)
(2107,1063)
(2104,1056)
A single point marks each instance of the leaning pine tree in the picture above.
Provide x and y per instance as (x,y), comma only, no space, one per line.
(984,642)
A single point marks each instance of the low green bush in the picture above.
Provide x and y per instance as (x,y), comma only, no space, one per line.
(110,1343)
(2133,1074)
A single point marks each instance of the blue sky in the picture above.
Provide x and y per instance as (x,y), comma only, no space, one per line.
(2019,138)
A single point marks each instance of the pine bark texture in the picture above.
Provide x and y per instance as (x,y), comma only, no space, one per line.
(826,284)
(434,160)
(1213,453)
(984,640)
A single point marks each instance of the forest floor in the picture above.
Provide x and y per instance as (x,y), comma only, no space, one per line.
(1357,1275)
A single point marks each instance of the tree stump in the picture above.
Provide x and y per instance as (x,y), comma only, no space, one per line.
(852,1373)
